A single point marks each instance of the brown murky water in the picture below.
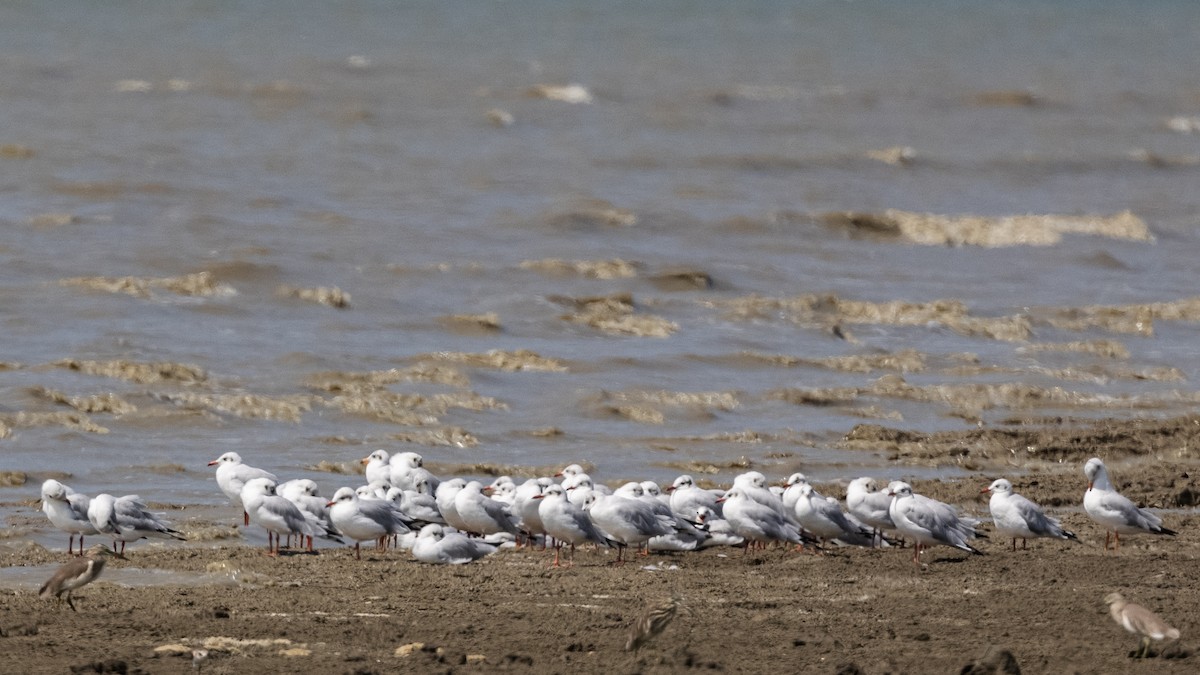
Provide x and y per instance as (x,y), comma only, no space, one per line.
(665,239)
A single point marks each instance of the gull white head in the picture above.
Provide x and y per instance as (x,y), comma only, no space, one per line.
(1096,474)
(684,481)
(578,480)
(53,489)
(227,458)
(899,488)
(379,455)
(732,495)
(407,460)
(260,486)
(343,495)
(796,479)
(999,486)
(569,470)
(751,478)
(631,490)
(431,531)
(552,491)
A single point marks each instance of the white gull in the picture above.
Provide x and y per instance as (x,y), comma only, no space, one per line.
(1017,517)
(1112,510)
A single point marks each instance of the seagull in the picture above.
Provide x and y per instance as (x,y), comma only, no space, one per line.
(753,486)
(686,497)
(527,507)
(632,490)
(364,519)
(232,476)
(306,495)
(1112,510)
(824,518)
(67,510)
(684,537)
(651,489)
(435,545)
(1139,620)
(929,522)
(78,572)
(756,522)
(570,471)
(377,467)
(566,522)
(628,522)
(127,519)
(687,537)
(277,515)
(575,484)
(870,506)
(503,491)
(445,494)
(403,466)
(791,492)
(1015,516)
(481,514)
(376,489)
(420,504)
(719,532)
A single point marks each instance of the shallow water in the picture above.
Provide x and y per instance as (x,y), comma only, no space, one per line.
(651,282)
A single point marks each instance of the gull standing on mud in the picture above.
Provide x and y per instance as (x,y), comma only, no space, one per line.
(868,504)
(445,495)
(929,522)
(277,515)
(420,504)
(482,515)
(232,476)
(364,519)
(127,519)
(629,522)
(527,508)
(686,497)
(306,495)
(1015,516)
(565,522)
(824,518)
(1139,621)
(1114,511)
(755,522)
(68,511)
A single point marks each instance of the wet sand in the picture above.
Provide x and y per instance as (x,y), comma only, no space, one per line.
(847,610)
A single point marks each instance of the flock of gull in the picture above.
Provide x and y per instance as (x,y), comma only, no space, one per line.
(457,521)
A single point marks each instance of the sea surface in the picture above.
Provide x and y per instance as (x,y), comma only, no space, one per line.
(653,238)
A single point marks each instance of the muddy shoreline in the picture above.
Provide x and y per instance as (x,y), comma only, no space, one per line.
(848,610)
